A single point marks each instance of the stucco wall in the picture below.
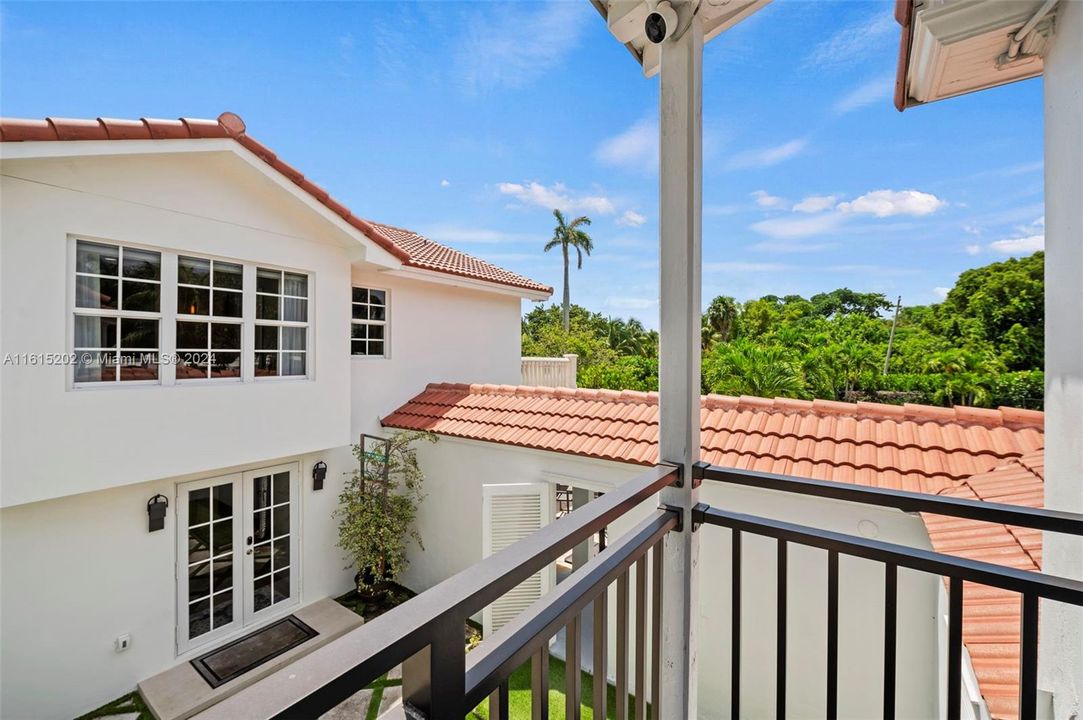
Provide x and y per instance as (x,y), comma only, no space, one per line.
(81,570)
(439,333)
(450,522)
(57,440)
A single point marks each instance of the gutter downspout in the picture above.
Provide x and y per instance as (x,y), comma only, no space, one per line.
(1021,34)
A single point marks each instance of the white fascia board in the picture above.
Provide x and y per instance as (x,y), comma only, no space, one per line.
(373,253)
(940,26)
(435,276)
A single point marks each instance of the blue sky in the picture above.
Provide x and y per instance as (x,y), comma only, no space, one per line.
(469,121)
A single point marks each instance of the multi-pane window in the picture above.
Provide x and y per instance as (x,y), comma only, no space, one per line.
(281,323)
(368,326)
(209,300)
(210,558)
(271,540)
(117,313)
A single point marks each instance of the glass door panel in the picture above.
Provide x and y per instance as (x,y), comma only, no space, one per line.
(271,568)
(208,599)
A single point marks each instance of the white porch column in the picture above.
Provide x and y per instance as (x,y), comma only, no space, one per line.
(679,363)
(1060,644)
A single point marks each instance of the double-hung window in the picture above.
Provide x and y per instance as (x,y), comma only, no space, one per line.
(368,325)
(281,323)
(117,313)
(209,324)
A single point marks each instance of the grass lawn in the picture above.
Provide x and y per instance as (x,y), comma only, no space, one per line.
(519,700)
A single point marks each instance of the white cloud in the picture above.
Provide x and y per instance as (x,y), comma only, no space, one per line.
(635,149)
(767,157)
(788,228)
(855,41)
(877,90)
(766,200)
(816,203)
(557,196)
(972,230)
(973,249)
(885,203)
(1019,246)
(941,292)
(631,218)
(737,266)
(445,183)
(512,44)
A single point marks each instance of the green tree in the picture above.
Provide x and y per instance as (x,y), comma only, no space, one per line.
(570,235)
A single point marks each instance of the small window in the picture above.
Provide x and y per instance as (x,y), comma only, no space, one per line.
(368,326)
(117,313)
(209,300)
(281,323)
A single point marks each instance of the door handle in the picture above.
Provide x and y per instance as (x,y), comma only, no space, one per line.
(248,551)
(249,540)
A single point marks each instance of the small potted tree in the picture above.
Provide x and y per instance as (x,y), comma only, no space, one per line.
(376,514)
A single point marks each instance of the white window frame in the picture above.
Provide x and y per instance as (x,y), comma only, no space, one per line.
(119,313)
(167,317)
(211,319)
(280,323)
(386,322)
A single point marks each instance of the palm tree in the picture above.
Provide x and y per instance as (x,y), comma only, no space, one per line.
(718,321)
(567,235)
(743,367)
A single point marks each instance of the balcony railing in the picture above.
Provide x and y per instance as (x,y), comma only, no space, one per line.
(440,680)
(426,633)
(1031,585)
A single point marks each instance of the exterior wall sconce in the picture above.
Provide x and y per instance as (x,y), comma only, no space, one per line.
(156,508)
(319,473)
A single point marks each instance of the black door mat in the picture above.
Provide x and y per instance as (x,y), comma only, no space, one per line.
(234,659)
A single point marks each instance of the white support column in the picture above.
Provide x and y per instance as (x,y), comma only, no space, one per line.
(679,364)
(1061,630)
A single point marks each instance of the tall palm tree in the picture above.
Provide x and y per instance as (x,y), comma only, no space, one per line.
(567,235)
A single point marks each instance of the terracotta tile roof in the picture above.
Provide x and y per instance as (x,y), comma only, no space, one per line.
(983,454)
(431,255)
(912,447)
(990,615)
(412,249)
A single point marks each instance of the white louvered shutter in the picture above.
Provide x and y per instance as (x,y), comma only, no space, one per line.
(512,512)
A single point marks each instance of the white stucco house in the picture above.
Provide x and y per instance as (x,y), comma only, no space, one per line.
(147,245)
(187,318)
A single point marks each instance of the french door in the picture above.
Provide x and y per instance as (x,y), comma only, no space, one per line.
(238,552)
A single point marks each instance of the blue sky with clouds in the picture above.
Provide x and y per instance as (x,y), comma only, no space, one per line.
(469,121)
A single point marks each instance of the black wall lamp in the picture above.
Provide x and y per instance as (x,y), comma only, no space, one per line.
(319,473)
(156,508)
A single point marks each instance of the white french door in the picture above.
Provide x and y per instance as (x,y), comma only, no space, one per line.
(238,552)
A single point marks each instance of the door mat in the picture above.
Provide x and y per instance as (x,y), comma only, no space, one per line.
(234,659)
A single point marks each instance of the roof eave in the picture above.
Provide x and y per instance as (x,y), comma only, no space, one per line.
(450,277)
(904,15)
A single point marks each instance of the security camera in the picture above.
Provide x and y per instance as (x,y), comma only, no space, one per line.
(661,23)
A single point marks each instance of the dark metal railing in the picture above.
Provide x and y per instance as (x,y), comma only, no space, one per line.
(427,632)
(1031,585)
(526,638)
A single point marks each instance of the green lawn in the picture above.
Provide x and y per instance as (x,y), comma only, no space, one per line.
(519,700)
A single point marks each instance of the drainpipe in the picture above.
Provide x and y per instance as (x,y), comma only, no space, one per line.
(1021,34)
(681,202)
